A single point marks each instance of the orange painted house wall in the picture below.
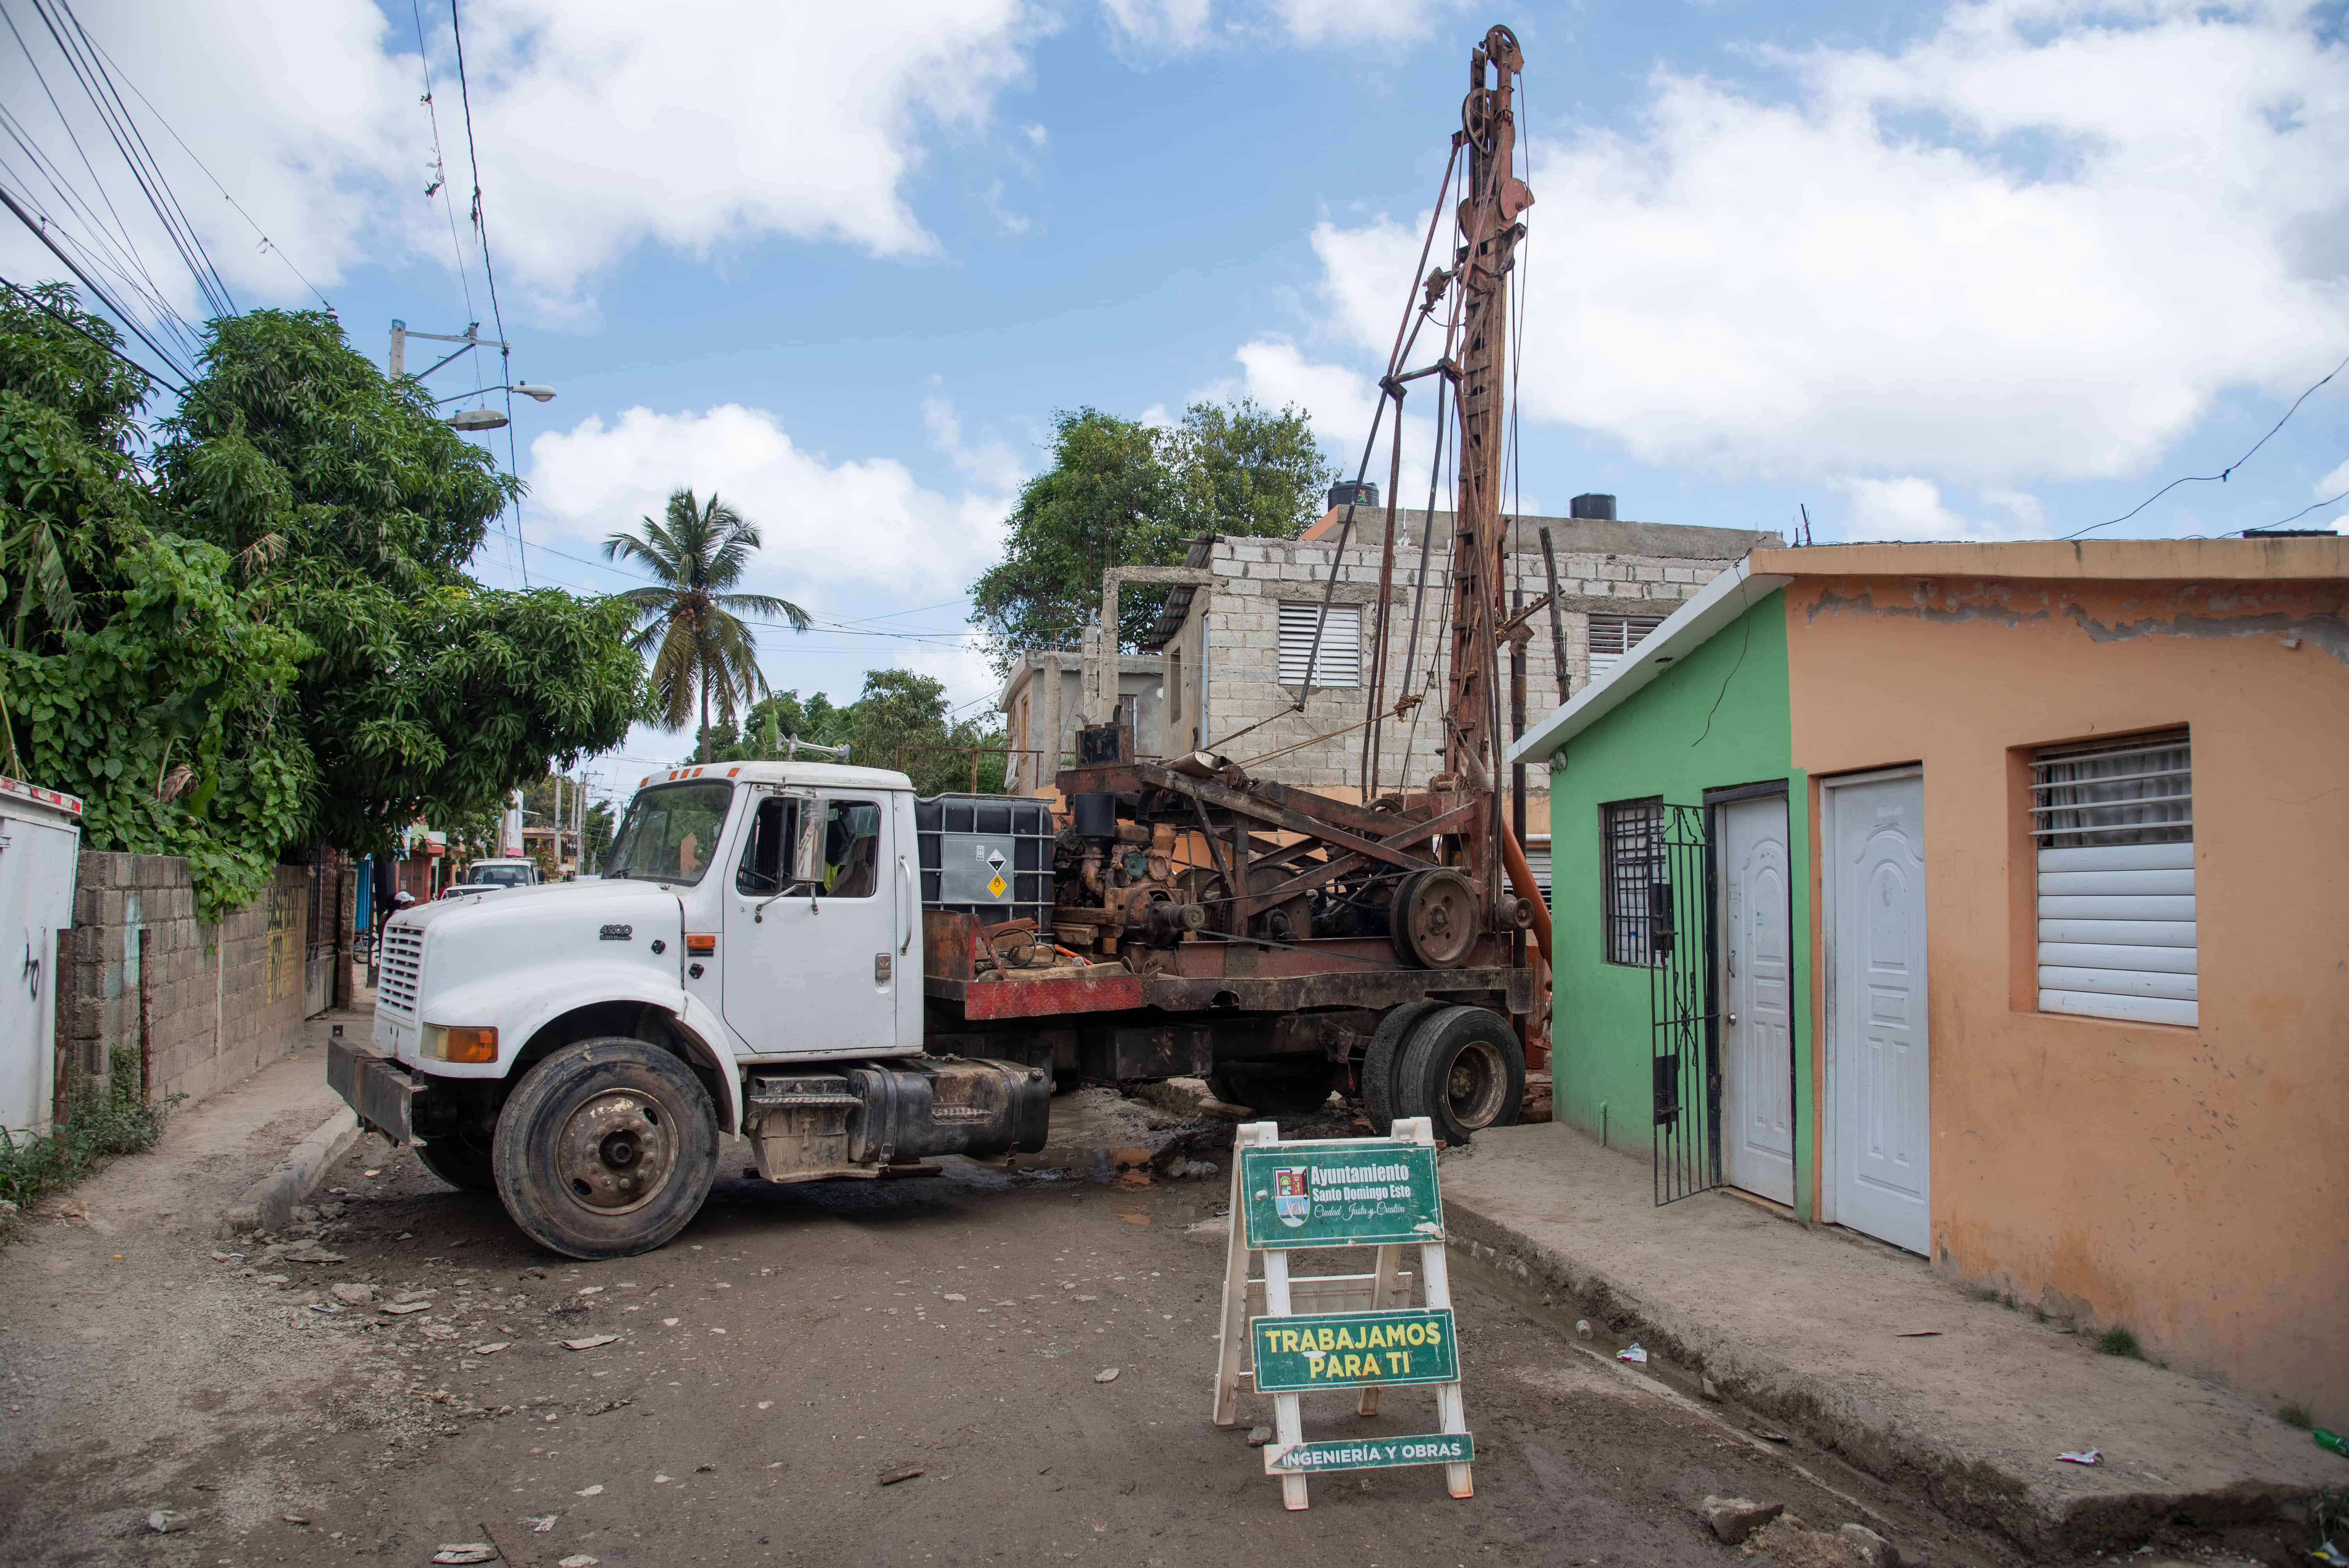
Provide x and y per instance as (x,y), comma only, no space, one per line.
(2191,1185)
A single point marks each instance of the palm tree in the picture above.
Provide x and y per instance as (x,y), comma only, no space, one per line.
(686,620)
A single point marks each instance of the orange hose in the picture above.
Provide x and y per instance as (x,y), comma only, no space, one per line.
(1521,877)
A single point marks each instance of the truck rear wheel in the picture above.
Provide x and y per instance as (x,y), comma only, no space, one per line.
(606,1148)
(1465,1069)
(1382,1071)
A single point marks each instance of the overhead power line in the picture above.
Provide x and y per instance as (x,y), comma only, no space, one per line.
(114,250)
(98,85)
(38,302)
(490,274)
(267,244)
(120,314)
(2221,477)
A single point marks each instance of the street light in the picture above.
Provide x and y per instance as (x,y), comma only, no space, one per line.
(477,419)
(543,394)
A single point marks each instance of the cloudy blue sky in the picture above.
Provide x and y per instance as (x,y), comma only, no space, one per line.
(1934,271)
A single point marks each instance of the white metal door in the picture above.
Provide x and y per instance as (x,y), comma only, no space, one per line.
(1877,1049)
(813,968)
(38,854)
(1758,1036)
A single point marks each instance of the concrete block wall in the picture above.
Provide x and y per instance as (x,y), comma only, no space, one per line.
(223,1000)
(1254,577)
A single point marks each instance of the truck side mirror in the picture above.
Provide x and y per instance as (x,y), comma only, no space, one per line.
(807,849)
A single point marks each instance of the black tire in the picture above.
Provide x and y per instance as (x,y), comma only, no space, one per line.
(1381,1069)
(1273,1089)
(463,1159)
(1465,1069)
(606,1148)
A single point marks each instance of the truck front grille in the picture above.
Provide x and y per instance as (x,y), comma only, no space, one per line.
(400,970)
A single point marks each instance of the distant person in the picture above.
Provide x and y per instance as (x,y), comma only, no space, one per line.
(391,906)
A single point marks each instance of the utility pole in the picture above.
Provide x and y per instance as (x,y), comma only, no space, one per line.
(1488,221)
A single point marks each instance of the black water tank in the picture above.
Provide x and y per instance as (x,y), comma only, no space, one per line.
(1093,815)
(1361,494)
(1599,507)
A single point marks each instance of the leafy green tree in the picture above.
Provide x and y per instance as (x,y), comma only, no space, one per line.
(1122,491)
(772,720)
(136,670)
(690,621)
(900,720)
(350,511)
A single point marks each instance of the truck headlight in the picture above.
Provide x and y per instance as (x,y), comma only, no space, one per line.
(456,1043)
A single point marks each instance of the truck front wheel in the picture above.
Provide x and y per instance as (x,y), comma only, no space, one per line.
(606,1148)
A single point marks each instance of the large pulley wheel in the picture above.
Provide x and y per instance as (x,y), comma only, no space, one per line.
(606,1148)
(1464,1069)
(1435,918)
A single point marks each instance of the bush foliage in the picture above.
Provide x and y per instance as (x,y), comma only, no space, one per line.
(259,635)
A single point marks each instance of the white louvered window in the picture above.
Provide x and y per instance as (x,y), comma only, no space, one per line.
(1613,636)
(2115,828)
(1339,662)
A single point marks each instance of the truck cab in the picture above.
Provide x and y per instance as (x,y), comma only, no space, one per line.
(742,967)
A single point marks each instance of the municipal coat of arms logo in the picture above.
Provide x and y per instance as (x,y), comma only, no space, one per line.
(1290,1201)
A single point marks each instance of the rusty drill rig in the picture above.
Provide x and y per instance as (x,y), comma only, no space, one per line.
(1280,940)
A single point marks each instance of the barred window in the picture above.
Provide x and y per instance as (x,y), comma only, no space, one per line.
(1339,662)
(1631,849)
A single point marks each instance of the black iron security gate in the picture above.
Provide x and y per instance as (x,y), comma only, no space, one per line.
(1686,1041)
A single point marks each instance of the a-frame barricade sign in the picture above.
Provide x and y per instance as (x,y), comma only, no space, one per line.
(1286,1335)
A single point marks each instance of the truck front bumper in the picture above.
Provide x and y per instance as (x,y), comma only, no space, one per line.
(382,1091)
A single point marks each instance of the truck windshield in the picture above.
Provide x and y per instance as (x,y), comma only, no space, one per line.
(669,832)
(501,876)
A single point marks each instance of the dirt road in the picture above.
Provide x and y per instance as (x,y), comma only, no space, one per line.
(765,1372)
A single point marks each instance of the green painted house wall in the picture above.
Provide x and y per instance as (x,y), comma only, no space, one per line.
(1716,719)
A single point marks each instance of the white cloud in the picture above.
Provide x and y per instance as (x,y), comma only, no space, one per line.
(2332,484)
(827,525)
(1912,508)
(1168,28)
(1342,403)
(599,131)
(1345,21)
(2037,242)
(1160,26)
(2030,516)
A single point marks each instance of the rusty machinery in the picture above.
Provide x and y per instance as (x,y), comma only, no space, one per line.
(1168,864)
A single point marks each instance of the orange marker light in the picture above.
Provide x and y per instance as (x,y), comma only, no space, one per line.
(703,944)
(461,1042)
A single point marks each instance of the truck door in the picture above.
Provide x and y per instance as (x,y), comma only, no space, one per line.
(810,965)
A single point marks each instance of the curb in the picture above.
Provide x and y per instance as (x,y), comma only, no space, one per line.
(268,1204)
(1871,1436)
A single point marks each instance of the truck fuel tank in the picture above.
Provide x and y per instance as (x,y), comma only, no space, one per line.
(809,1126)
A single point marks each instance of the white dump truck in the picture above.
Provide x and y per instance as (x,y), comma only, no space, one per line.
(855,981)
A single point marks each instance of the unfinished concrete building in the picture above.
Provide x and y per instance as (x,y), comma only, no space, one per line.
(1222,669)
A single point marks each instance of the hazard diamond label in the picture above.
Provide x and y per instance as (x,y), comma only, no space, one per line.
(996,884)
